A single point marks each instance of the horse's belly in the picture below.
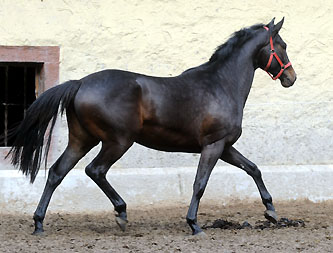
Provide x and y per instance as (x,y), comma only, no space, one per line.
(163,139)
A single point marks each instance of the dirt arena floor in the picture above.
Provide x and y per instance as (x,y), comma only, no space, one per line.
(162,228)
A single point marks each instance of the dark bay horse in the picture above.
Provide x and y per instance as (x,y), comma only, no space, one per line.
(199,111)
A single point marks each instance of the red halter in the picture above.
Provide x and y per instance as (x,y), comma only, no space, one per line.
(274,54)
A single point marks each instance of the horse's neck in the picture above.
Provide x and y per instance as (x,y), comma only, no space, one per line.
(238,71)
(236,79)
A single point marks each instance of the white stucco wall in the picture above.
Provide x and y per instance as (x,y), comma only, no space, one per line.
(281,126)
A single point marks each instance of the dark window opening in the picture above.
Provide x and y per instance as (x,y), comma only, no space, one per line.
(18,90)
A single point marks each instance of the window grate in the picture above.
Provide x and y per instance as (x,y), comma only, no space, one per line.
(17,92)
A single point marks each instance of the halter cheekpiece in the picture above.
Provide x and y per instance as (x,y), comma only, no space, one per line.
(274,54)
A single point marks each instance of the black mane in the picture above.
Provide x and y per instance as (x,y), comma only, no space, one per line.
(224,51)
(235,42)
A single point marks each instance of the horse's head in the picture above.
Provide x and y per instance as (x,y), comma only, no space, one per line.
(273,56)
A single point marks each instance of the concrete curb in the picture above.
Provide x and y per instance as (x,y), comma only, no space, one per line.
(78,193)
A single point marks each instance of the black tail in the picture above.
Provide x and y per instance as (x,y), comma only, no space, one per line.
(27,148)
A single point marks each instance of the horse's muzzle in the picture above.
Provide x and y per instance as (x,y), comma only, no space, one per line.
(288,77)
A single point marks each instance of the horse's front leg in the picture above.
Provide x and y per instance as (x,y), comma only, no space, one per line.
(232,156)
(209,156)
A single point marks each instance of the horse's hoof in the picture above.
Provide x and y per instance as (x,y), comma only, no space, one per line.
(271,216)
(38,232)
(121,223)
(201,235)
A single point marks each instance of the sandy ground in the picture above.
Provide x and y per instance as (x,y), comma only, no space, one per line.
(162,228)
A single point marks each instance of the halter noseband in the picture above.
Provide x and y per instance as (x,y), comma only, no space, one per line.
(274,54)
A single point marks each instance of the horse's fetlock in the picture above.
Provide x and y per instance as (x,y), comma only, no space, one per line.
(191,221)
(267,201)
(38,217)
(120,208)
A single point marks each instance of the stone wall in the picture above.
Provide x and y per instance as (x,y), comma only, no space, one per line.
(163,38)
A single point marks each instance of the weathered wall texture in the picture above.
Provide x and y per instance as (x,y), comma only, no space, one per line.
(281,126)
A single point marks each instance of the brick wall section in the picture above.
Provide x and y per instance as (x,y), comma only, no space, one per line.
(48,55)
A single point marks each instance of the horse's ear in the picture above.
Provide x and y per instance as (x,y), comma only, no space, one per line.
(277,27)
(270,25)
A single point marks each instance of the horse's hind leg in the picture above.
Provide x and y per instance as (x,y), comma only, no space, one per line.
(232,156)
(57,172)
(97,170)
(78,145)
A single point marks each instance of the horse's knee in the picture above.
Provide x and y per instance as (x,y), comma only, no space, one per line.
(254,171)
(199,189)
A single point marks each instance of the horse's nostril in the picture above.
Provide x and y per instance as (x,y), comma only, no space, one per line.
(292,79)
